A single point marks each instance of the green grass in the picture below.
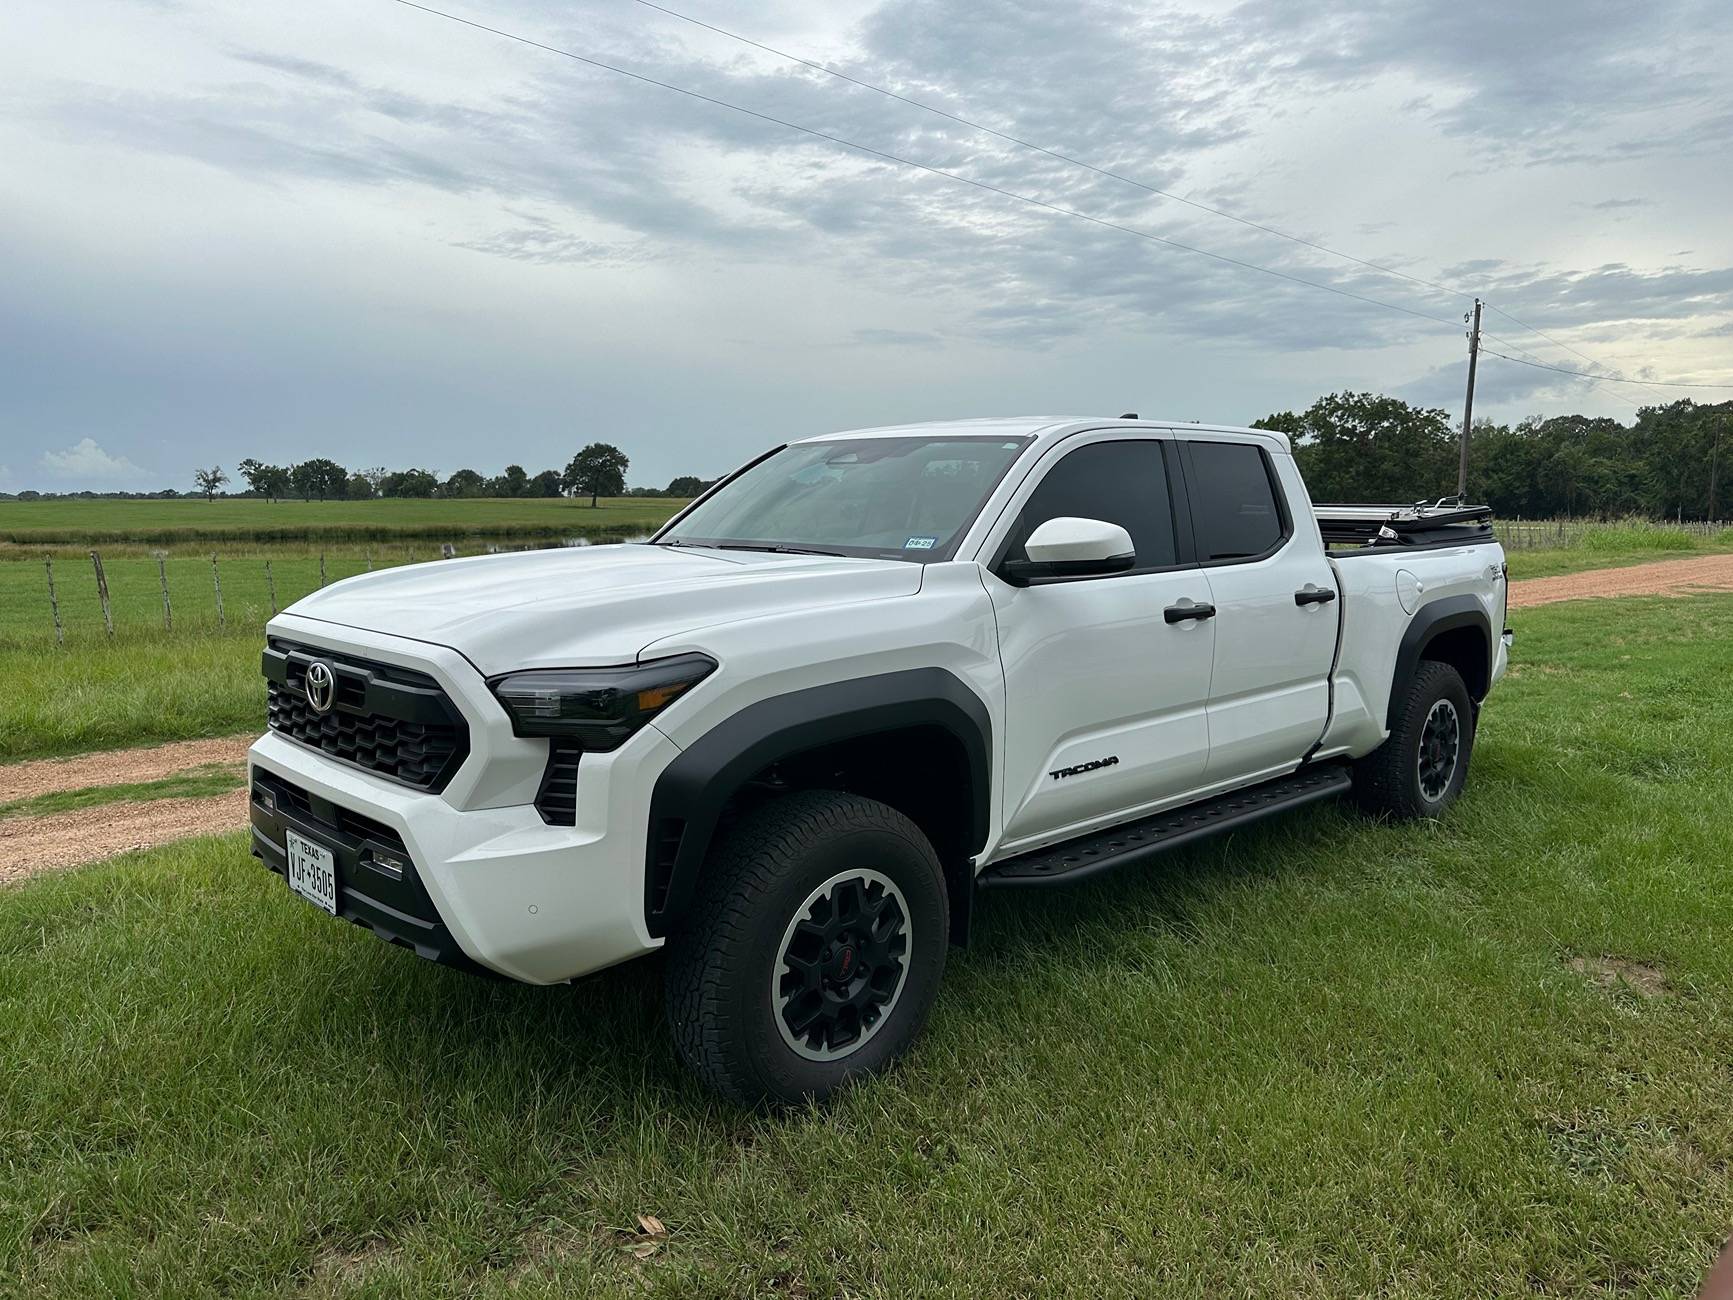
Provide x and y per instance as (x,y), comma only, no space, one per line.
(194,783)
(144,689)
(89,522)
(1321,1058)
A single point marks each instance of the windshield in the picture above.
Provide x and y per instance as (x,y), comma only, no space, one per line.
(899,498)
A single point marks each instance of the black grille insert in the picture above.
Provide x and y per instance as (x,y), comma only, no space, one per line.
(557,800)
(391,721)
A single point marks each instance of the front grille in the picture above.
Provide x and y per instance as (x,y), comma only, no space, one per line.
(391,721)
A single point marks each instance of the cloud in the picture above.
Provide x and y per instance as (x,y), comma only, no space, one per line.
(1612,205)
(896,338)
(85,460)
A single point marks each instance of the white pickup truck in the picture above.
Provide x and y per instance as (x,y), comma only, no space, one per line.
(867,676)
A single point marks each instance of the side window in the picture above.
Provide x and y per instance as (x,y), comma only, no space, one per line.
(1233,501)
(1122,483)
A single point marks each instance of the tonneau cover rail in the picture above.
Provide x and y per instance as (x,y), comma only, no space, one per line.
(1419,524)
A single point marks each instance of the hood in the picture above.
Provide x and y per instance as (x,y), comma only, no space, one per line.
(593,605)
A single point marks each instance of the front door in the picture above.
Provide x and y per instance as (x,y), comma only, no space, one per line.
(1105,698)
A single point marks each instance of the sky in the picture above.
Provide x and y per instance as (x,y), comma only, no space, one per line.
(359,230)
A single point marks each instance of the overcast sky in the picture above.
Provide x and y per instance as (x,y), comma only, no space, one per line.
(360,231)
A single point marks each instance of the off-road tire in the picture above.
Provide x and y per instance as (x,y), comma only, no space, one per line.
(1389,781)
(721,963)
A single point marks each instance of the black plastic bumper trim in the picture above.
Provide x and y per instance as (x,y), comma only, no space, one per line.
(397,911)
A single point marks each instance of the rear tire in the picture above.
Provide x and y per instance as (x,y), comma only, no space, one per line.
(1419,771)
(813,951)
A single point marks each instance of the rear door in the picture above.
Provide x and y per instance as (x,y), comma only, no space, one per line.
(1276,605)
(1104,697)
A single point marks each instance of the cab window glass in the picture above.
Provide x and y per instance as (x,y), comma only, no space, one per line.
(1233,501)
(1122,483)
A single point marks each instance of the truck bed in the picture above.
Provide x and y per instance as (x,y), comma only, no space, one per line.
(1443,523)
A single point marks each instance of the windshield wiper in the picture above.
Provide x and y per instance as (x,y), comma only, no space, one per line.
(776,548)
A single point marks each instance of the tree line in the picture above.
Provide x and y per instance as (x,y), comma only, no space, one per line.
(598,470)
(1669,464)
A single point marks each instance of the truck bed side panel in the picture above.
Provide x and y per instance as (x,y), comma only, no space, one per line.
(1378,604)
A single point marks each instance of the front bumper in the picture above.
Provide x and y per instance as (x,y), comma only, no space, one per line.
(494,888)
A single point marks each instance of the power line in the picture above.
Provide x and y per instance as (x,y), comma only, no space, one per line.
(1594,387)
(921,166)
(1609,379)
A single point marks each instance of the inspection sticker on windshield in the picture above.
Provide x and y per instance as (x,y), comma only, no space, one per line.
(920,543)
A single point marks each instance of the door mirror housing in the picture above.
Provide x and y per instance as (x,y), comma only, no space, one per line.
(1072,548)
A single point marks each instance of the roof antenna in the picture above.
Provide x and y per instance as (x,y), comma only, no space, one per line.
(1129,415)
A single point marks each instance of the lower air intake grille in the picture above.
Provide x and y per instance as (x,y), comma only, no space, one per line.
(557,800)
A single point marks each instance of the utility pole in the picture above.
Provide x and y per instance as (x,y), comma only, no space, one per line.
(1715,465)
(1468,401)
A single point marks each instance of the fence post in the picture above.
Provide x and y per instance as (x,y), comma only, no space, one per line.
(368,553)
(217,582)
(271,585)
(102,593)
(168,619)
(54,602)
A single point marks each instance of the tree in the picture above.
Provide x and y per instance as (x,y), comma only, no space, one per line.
(599,470)
(359,488)
(260,478)
(1367,447)
(688,485)
(514,481)
(548,483)
(319,478)
(408,483)
(209,480)
(463,483)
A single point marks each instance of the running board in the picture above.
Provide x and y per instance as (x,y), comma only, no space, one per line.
(1078,859)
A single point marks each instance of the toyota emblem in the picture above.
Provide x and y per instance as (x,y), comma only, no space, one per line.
(321,686)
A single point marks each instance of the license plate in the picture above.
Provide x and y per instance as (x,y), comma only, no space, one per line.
(312,872)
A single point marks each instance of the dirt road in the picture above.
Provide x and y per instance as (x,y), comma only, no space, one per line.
(32,844)
(117,766)
(1686,577)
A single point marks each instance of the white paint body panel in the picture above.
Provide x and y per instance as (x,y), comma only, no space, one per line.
(1067,673)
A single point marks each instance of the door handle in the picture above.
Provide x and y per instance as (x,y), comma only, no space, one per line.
(1180,613)
(1314,596)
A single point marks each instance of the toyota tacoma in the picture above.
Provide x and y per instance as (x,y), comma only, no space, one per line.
(793,737)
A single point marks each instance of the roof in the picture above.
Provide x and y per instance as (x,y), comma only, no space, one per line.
(1044,427)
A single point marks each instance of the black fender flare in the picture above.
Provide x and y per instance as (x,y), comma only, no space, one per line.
(1429,621)
(690,794)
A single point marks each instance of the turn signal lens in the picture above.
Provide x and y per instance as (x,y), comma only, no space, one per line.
(598,707)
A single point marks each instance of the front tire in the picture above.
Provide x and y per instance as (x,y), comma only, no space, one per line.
(814,949)
(1419,771)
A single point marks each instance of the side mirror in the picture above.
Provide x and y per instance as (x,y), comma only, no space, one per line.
(1072,548)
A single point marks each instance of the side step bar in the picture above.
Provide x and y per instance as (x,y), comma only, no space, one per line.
(1078,859)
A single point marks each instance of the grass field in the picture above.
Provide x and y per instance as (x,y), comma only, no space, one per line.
(92,522)
(1321,1058)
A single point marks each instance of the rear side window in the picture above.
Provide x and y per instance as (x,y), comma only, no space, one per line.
(1233,501)
(1122,483)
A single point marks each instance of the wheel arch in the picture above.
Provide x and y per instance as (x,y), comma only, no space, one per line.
(1454,630)
(864,717)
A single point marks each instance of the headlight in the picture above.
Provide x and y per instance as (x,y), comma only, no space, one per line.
(600,708)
